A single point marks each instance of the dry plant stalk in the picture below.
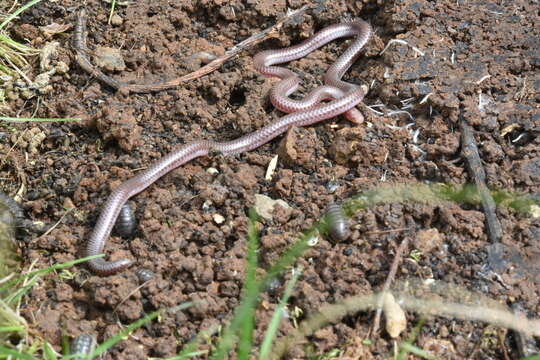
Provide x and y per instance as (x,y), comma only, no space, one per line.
(79,45)
(433,307)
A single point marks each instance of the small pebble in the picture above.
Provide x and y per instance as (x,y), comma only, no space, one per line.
(144,275)
(218,218)
(264,206)
(273,286)
(109,59)
(206,205)
(348,251)
(116,20)
(313,240)
(331,186)
(62,67)
(68,204)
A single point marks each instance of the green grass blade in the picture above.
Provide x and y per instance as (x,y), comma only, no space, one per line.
(7,70)
(409,348)
(243,317)
(19,293)
(16,47)
(62,266)
(293,253)
(11,318)
(190,347)
(532,357)
(48,352)
(251,289)
(14,119)
(17,12)
(13,328)
(113,6)
(226,341)
(15,354)
(276,317)
(287,259)
(406,346)
(110,342)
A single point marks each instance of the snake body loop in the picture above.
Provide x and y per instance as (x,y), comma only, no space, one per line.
(343,99)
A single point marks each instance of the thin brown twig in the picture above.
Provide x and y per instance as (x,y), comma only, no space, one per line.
(391,275)
(79,45)
(55,225)
(81,57)
(469,150)
(386,231)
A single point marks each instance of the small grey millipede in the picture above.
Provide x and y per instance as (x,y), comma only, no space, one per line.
(338,222)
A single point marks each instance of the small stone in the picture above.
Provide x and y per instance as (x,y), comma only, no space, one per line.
(62,67)
(264,206)
(227,12)
(27,94)
(298,147)
(218,218)
(45,90)
(144,275)
(212,171)
(535,211)
(439,348)
(428,240)
(345,145)
(116,20)
(313,240)
(12,95)
(68,204)
(109,59)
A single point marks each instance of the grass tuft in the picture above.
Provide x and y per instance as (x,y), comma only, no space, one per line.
(12,53)
(239,331)
(273,327)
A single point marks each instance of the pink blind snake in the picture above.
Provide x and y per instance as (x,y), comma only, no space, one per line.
(310,110)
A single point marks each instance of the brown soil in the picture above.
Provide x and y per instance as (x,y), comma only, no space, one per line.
(195,258)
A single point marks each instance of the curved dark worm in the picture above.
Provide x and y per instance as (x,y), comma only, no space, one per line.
(125,223)
(338,223)
(345,97)
(82,345)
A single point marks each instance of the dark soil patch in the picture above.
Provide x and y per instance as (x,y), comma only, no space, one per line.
(482,54)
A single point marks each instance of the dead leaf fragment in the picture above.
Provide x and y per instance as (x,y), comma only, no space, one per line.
(55,28)
(271,168)
(396,321)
